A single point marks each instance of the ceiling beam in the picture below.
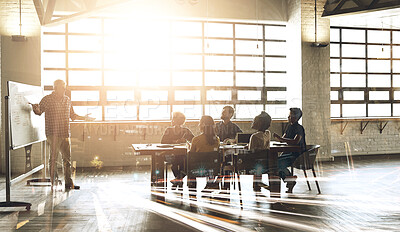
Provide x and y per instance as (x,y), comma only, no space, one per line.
(39,10)
(49,11)
(361,7)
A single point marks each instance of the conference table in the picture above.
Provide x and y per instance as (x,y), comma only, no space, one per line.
(158,153)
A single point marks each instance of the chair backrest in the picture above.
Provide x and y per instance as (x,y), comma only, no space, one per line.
(203,164)
(254,163)
(307,159)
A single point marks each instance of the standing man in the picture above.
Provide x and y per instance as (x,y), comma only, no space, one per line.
(227,130)
(58,110)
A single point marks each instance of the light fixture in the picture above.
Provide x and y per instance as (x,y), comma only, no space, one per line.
(20,37)
(317,44)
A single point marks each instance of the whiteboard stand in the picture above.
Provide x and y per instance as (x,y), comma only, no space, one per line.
(8,202)
(28,167)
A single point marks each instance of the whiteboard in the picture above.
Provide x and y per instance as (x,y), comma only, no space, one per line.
(26,126)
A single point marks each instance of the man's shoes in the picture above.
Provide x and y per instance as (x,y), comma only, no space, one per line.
(176,183)
(211,186)
(258,185)
(72,186)
(291,182)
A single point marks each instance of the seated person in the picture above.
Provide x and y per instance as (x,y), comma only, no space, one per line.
(260,141)
(177,134)
(294,135)
(226,129)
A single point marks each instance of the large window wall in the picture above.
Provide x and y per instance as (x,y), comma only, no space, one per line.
(365,72)
(119,69)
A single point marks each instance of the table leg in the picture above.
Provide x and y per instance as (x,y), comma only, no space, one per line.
(273,176)
(157,172)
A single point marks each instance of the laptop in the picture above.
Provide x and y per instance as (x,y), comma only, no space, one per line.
(243,138)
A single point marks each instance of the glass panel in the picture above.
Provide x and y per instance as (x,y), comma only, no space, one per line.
(249,79)
(120,61)
(214,110)
(85,26)
(396,109)
(335,50)
(353,95)
(187,79)
(396,37)
(334,95)
(375,36)
(53,60)
(85,95)
(120,95)
(396,80)
(353,80)
(248,111)
(275,48)
(187,95)
(276,79)
(93,111)
(84,43)
(218,30)
(335,80)
(381,66)
(378,80)
(154,79)
(396,95)
(349,35)
(276,95)
(84,78)
(119,78)
(148,95)
(353,65)
(353,50)
(378,95)
(219,62)
(119,112)
(58,28)
(53,42)
(186,28)
(219,46)
(219,79)
(335,35)
(219,95)
(354,110)
(275,32)
(190,111)
(275,64)
(248,31)
(84,60)
(153,112)
(396,51)
(396,66)
(378,51)
(335,110)
(49,76)
(379,110)
(249,63)
(277,110)
(186,62)
(187,45)
(335,65)
(249,47)
(248,95)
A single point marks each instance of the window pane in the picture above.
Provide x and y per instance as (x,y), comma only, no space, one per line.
(187,95)
(186,62)
(249,95)
(248,111)
(334,34)
(119,78)
(58,28)
(396,51)
(334,95)
(335,110)
(396,95)
(154,95)
(84,43)
(378,51)
(275,48)
(218,30)
(276,79)
(150,78)
(219,62)
(378,95)
(354,110)
(353,95)
(120,95)
(353,80)
(219,95)
(85,96)
(349,35)
(93,111)
(396,109)
(396,80)
(219,79)
(53,42)
(248,31)
(249,47)
(249,63)
(335,80)
(275,64)
(49,76)
(335,65)
(214,110)
(378,80)
(190,111)
(379,110)
(153,112)
(119,61)
(84,78)
(219,46)
(276,95)
(249,79)
(396,66)
(186,28)
(277,110)
(187,45)
(53,60)
(381,66)
(187,79)
(85,26)
(335,50)
(375,36)
(118,112)
(396,37)
(353,65)
(84,60)
(353,50)
(275,32)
